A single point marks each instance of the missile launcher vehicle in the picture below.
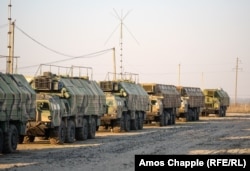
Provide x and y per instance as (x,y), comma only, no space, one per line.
(69,108)
(216,102)
(164,103)
(127,103)
(17,107)
(192,103)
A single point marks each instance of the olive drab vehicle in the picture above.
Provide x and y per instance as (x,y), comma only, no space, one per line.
(126,103)
(68,108)
(164,103)
(192,103)
(17,106)
(216,102)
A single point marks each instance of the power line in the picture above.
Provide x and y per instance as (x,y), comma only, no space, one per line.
(90,55)
(94,54)
(46,47)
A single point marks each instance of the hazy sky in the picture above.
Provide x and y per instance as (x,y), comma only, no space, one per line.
(200,38)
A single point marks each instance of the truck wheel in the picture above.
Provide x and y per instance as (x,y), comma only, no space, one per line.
(197,116)
(220,112)
(223,112)
(82,132)
(122,122)
(10,140)
(141,120)
(58,134)
(172,119)
(135,122)
(162,120)
(92,129)
(127,122)
(70,132)
(186,116)
(167,118)
(1,140)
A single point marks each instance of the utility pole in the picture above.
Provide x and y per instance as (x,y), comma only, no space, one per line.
(236,79)
(9,63)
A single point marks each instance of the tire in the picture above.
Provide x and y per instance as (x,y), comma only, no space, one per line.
(82,132)
(162,119)
(219,113)
(187,116)
(10,140)
(127,122)
(141,121)
(122,122)
(92,129)
(167,118)
(172,119)
(135,122)
(70,132)
(1,140)
(57,135)
(223,112)
(197,116)
(192,115)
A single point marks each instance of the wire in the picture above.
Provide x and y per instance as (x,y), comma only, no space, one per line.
(94,54)
(50,49)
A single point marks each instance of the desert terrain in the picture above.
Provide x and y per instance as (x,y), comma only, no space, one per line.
(116,151)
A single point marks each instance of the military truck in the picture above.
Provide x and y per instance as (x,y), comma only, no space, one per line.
(164,103)
(127,103)
(216,102)
(17,106)
(68,107)
(192,103)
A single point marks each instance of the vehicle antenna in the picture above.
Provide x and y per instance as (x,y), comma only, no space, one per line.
(121,18)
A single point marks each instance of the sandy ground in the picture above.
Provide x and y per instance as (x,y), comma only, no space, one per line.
(116,151)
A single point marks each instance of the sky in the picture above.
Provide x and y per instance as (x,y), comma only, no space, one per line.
(196,43)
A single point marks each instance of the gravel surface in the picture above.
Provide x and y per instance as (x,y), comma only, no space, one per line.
(116,151)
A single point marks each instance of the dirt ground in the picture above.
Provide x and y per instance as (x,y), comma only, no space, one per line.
(116,151)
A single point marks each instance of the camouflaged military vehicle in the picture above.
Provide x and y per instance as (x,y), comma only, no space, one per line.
(17,106)
(164,103)
(127,103)
(68,108)
(192,103)
(216,102)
